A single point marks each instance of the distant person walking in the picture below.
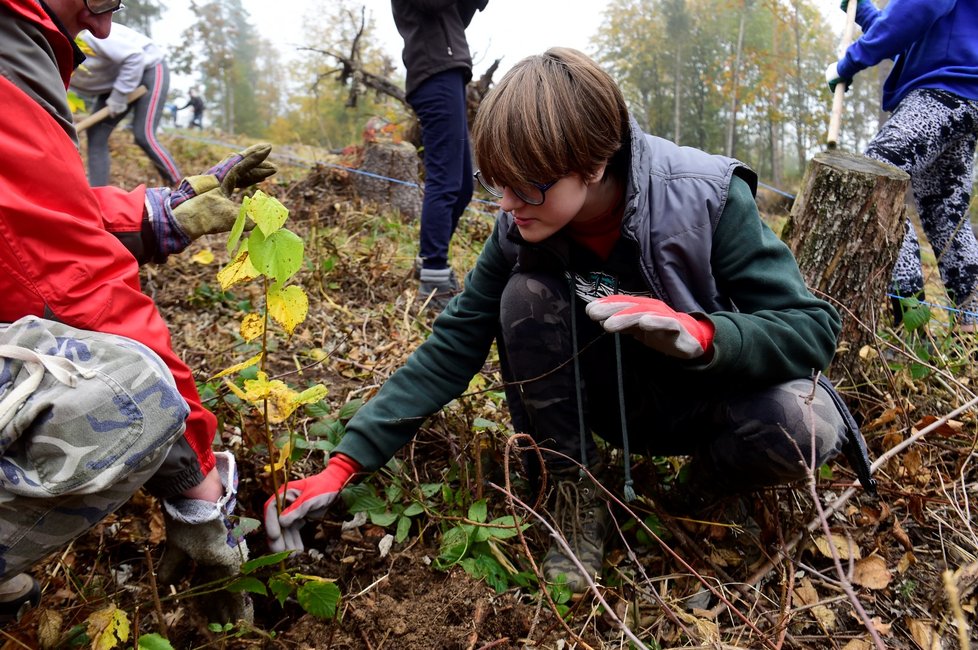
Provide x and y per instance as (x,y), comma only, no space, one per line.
(932,93)
(436,57)
(198,105)
(115,66)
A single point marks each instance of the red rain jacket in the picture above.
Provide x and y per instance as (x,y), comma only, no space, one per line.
(60,251)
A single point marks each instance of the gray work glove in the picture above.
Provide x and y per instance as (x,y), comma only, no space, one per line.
(203,205)
(202,531)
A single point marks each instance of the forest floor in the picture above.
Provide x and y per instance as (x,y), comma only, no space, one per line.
(830,567)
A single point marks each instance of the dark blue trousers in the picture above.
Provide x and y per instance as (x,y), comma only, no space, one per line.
(439,103)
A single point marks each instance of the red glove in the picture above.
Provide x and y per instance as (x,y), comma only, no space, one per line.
(655,324)
(306,499)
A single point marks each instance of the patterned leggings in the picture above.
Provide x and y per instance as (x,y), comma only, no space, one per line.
(932,136)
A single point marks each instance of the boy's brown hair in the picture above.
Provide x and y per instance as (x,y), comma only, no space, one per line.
(552,114)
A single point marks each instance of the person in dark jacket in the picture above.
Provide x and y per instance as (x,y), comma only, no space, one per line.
(625,275)
(436,56)
(932,93)
(195,101)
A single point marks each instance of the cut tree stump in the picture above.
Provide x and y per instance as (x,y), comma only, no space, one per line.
(845,230)
(396,161)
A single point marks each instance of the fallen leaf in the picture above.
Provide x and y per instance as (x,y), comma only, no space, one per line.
(871,572)
(205,256)
(885,629)
(907,561)
(857,644)
(946,429)
(841,544)
(49,628)
(924,634)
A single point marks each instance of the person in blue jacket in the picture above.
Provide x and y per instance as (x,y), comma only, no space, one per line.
(932,93)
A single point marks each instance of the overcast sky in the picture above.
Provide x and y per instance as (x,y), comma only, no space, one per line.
(507,29)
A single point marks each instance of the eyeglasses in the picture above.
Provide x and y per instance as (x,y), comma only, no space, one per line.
(96,7)
(531,193)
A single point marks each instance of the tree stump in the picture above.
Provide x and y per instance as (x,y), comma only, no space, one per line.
(845,230)
(393,178)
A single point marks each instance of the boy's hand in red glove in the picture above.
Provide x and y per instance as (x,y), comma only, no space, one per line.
(308,498)
(655,324)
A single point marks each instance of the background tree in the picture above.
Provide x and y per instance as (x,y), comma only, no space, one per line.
(140,15)
(221,50)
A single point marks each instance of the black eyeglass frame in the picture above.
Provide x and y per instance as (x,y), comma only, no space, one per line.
(111,10)
(496,192)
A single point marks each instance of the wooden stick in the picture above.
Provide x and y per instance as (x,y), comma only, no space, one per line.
(840,89)
(103,112)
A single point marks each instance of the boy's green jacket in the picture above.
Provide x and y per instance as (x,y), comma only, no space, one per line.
(708,252)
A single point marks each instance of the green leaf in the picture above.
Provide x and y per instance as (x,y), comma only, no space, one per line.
(318,410)
(382,519)
(154,642)
(478,511)
(238,228)
(504,527)
(244,526)
(265,560)
(247,583)
(366,503)
(281,588)
(349,409)
(403,528)
(481,424)
(915,314)
(454,546)
(319,598)
(413,509)
(277,256)
(430,489)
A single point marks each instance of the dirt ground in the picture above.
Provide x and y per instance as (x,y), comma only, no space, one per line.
(909,558)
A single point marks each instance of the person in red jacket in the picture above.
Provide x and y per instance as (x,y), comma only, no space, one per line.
(93,400)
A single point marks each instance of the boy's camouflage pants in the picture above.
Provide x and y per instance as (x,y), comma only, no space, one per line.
(740,437)
(85,419)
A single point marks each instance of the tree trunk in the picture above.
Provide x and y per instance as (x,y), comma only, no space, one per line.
(845,229)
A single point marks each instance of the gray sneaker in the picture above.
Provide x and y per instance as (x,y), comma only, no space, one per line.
(582,517)
(436,287)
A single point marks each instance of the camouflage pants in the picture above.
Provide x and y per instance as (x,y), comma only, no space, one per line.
(740,438)
(85,419)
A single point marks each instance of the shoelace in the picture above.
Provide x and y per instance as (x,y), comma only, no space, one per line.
(63,370)
(576,513)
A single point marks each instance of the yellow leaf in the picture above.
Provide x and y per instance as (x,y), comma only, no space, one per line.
(311,395)
(107,628)
(205,256)
(266,211)
(280,457)
(871,572)
(240,270)
(288,307)
(279,397)
(841,544)
(238,367)
(252,327)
